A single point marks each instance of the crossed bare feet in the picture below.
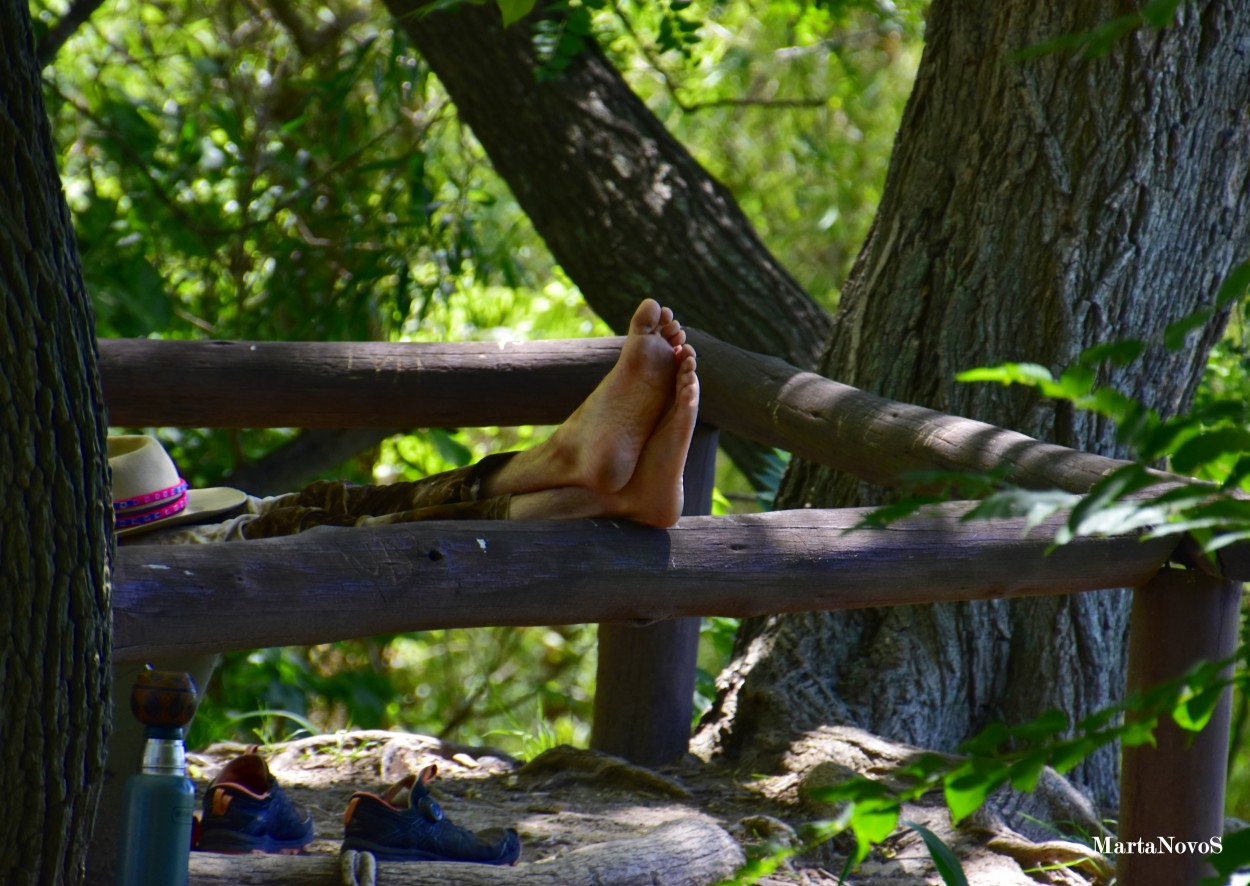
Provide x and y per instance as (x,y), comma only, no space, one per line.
(654,494)
(602,440)
(622,452)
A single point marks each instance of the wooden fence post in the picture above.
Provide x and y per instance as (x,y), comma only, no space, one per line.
(644,693)
(1175,790)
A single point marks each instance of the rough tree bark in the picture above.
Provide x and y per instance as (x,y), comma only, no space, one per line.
(1031,210)
(55,524)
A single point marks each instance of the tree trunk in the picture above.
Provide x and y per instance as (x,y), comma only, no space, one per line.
(625,209)
(1032,209)
(55,523)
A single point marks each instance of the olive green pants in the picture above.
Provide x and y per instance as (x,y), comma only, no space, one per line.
(454,495)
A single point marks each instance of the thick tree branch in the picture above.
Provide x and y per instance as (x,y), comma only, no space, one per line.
(623,206)
(56,36)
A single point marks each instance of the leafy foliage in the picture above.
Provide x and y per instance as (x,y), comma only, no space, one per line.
(793,106)
(948,866)
(1209,442)
(1002,755)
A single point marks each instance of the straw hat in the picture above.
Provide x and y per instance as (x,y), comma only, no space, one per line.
(149,494)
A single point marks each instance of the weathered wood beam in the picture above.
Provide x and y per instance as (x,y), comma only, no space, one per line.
(683,852)
(237,384)
(330,584)
(873,438)
(377,384)
(1174,789)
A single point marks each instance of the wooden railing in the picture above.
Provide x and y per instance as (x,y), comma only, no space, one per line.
(339,583)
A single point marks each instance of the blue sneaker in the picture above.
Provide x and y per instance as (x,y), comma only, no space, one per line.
(416,829)
(246,810)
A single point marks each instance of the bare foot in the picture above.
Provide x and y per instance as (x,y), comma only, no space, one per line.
(654,494)
(599,445)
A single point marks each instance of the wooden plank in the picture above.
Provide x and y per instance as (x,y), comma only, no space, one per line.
(644,687)
(238,384)
(379,384)
(681,852)
(1175,790)
(330,584)
(873,438)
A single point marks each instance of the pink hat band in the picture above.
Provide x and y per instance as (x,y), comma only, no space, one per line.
(149,507)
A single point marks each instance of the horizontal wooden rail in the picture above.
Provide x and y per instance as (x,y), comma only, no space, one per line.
(331,584)
(870,437)
(239,384)
(389,385)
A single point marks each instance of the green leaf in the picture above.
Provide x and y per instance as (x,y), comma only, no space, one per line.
(1208,446)
(1234,286)
(449,448)
(1122,519)
(1032,374)
(1193,524)
(1235,854)
(1066,755)
(1176,333)
(986,742)
(1215,412)
(857,789)
(129,131)
(879,518)
(1096,41)
(948,866)
(1090,516)
(924,765)
(1076,381)
(1169,435)
(1160,13)
(1111,403)
(514,10)
(1117,353)
(1034,506)
(1137,732)
(1026,771)
(93,222)
(967,787)
(1226,539)
(955,484)
(1135,423)
(872,822)
(872,814)
(1195,711)
(1097,721)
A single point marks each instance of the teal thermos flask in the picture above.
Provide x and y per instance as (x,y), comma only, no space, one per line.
(158,804)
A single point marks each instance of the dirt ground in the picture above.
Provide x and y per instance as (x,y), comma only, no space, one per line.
(566,798)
